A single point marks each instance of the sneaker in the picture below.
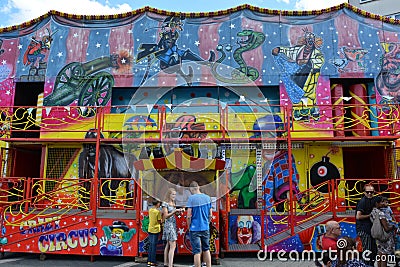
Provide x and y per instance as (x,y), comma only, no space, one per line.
(202,264)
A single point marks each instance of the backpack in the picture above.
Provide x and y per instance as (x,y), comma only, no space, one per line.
(377,230)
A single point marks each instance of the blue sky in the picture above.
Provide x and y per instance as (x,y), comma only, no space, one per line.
(14,12)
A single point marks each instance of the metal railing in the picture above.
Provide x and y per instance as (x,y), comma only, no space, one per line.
(340,121)
(306,206)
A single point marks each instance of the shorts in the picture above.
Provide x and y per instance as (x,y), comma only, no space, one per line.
(200,239)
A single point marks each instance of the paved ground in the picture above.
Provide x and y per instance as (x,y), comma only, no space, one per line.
(231,260)
(32,260)
(237,261)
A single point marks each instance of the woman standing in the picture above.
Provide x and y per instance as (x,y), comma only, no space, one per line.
(386,247)
(169,232)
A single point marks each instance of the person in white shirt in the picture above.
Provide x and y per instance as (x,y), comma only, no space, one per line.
(182,193)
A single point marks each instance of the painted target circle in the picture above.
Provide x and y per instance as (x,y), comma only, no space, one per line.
(322,171)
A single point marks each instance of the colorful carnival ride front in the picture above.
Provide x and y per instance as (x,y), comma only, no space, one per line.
(281,117)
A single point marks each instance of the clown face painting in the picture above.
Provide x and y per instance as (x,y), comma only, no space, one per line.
(245,229)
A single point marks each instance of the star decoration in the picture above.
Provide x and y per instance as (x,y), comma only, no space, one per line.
(387,97)
(75,35)
(98,45)
(232,26)
(197,43)
(123,60)
(130,31)
(181,231)
(19,46)
(60,54)
(345,98)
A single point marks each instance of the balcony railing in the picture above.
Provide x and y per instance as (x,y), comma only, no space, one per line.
(229,123)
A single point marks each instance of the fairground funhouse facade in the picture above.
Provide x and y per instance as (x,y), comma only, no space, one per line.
(282,117)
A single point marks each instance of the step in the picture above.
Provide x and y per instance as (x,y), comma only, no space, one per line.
(244,247)
(277,238)
(120,214)
(347,213)
(245,212)
(299,228)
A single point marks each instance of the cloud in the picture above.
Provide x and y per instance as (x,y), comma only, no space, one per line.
(284,1)
(24,10)
(313,4)
(6,8)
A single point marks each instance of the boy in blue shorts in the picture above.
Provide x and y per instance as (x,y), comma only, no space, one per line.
(198,219)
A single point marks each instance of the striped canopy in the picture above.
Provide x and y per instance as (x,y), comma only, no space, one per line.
(179,160)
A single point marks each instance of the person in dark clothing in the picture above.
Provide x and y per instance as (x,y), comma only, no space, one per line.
(364,224)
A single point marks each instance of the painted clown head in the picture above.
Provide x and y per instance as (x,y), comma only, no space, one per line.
(117,230)
(245,229)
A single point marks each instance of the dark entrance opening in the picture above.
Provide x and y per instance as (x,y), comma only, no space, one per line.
(24,161)
(24,117)
(365,163)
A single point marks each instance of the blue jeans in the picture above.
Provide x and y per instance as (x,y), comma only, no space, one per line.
(153,240)
(200,239)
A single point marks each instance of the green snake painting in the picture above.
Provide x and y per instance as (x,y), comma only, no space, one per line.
(244,74)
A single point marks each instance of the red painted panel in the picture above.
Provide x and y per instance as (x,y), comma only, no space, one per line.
(69,234)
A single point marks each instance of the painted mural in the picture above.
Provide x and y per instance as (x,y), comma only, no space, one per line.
(114,236)
(276,180)
(244,229)
(168,53)
(301,67)
(245,75)
(249,40)
(387,79)
(111,164)
(82,66)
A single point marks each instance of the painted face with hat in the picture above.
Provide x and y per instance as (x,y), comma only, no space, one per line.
(117,230)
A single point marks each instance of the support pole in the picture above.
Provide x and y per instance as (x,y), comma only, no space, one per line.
(291,197)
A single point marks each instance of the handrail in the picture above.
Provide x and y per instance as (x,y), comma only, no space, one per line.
(354,191)
(309,202)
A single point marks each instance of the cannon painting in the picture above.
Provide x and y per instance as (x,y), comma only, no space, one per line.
(86,84)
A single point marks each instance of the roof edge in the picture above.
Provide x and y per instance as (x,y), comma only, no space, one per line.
(201,14)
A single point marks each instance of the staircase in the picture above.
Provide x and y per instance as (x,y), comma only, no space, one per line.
(320,219)
(311,207)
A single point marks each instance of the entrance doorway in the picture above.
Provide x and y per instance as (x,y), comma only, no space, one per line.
(26,99)
(366,163)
